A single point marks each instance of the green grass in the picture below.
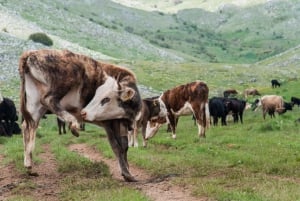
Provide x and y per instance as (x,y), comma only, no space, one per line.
(257,160)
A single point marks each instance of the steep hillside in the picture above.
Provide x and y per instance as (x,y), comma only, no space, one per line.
(231,31)
(63,21)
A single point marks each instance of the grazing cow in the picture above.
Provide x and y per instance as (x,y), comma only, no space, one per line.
(251,92)
(236,107)
(8,114)
(275,83)
(218,109)
(230,92)
(288,106)
(152,108)
(77,88)
(271,104)
(295,100)
(187,99)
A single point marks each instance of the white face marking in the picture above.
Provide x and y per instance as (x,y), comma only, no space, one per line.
(105,104)
(151,130)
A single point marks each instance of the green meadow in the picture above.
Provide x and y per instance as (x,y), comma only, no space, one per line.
(228,46)
(257,160)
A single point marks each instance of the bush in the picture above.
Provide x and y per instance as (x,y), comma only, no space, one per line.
(41,38)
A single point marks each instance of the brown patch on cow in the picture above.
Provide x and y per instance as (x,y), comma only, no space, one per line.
(119,73)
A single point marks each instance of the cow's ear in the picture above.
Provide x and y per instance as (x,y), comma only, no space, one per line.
(127,94)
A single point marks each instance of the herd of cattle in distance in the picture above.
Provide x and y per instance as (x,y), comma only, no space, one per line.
(79,89)
(183,100)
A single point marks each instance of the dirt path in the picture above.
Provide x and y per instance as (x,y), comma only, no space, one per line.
(44,187)
(158,189)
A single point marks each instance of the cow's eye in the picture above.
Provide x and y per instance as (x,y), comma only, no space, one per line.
(105,100)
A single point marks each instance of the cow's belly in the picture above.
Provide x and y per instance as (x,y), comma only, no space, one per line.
(186,109)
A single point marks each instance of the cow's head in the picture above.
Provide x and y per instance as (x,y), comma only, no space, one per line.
(112,100)
(153,125)
(156,106)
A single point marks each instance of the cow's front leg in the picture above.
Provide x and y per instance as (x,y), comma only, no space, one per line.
(117,136)
(172,122)
(52,102)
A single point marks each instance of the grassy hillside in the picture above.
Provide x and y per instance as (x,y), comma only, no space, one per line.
(233,33)
(247,46)
(173,6)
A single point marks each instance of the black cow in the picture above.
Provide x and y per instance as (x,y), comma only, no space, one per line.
(3,129)
(295,100)
(8,115)
(287,106)
(236,107)
(275,83)
(16,128)
(218,109)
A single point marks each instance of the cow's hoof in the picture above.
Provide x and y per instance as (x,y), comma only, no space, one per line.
(129,178)
(30,173)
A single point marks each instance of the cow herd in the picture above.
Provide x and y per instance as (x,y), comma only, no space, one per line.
(78,89)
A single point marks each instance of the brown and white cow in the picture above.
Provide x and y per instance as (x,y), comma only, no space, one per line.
(187,99)
(77,88)
(152,109)
(251,92)
(271,104)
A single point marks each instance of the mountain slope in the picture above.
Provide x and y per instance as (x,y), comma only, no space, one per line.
(232,32)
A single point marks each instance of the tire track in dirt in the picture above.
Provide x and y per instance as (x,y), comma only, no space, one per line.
(158,189)
(45,187)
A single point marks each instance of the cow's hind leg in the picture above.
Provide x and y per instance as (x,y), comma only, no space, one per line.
(29,127)
(202,116)
(117,135)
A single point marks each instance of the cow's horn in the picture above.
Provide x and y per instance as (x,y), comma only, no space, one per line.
(127,94)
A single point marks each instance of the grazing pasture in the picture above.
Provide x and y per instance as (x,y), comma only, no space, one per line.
(257,160)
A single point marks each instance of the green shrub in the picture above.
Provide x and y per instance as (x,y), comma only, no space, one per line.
(41,38)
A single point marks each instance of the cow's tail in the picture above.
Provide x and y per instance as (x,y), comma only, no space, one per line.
(207,116)
(26,116)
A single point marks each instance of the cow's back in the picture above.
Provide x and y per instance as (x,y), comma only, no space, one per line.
(272,102)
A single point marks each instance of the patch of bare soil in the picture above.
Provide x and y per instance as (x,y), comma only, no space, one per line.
(158,189)
(45,187)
